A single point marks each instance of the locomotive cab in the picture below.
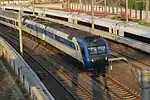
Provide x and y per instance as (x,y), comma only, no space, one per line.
(96,54)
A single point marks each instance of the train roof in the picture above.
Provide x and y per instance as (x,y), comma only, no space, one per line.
(56,12)
(11,6)
(64,29)
(9,14)
(17,7)
(98,20)
(129,27)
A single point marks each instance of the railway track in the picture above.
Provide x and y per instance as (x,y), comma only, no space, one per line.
(136,61)
(136,58)
(15,44)
(121,91)
(77,91)
(124,92)
(117,90)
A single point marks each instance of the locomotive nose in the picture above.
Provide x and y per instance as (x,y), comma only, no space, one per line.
(101,62)
(101,66)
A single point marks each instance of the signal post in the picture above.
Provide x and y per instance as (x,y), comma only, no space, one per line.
(145,84)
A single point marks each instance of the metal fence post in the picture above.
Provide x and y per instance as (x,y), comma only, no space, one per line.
(145,84)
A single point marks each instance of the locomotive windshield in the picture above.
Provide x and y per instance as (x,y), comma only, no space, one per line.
(96,50)
(96,45)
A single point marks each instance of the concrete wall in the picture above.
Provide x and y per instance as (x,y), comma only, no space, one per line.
(25,74)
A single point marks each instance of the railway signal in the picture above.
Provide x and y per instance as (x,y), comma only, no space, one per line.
(145,84)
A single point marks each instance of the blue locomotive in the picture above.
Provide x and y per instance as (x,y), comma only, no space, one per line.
(92,51)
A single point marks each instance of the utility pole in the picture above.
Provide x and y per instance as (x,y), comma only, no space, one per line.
(69,5)
(33,7)
(63,3)
(105,3)
(92,13)
(20,31)
(127,11)
(80,2)
(147,10)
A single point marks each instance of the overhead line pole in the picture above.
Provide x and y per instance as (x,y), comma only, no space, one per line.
(80,2)
(105,3)
(33,7)
(147,10)
(20,31)
(127,10)
(69,5)
(92,13)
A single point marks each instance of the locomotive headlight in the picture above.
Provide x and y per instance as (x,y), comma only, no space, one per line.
(106,58)
(92,60)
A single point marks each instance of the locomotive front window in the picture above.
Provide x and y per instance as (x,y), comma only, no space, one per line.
(97,50)
(92,50)
(101,49)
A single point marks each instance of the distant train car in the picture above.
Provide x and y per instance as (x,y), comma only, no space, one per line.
(25,10)
(130,33)
(134,35)
(102,24)
(9,21)
(135,32)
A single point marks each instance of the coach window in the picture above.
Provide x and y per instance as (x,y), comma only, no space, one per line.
(62,40)
(83,52)
(103,28)
(117,32)
(28,12)
(10,21)
(4,19)
(33,27)
(84,23)
(17,23)
(49,34)
(36,13)
(56,37)
(73,46)
(13,22)
(136,37)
